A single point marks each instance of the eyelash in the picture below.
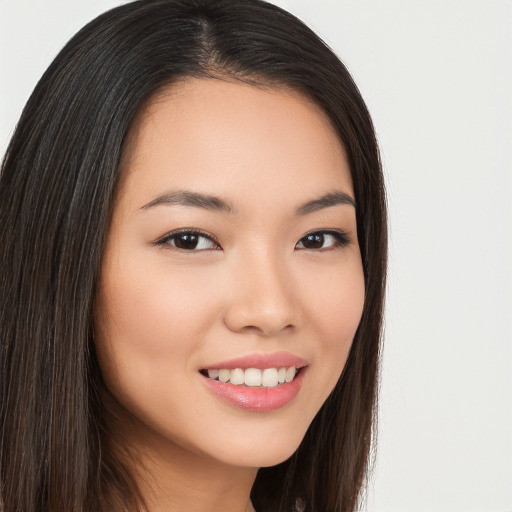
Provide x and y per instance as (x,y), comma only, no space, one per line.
(340,239)
(175,234)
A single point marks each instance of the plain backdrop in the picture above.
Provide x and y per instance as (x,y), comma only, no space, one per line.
(437,78)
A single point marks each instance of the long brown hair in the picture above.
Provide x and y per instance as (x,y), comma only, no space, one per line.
(57,184)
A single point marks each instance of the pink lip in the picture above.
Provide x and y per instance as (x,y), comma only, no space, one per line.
(256,399)
(260,361)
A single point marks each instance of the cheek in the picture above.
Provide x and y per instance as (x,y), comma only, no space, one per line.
(149,317)
(344,306)
(336,311)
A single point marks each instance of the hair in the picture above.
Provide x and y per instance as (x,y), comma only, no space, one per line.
(57,184)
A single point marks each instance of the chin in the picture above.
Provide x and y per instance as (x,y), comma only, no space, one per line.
(259,449)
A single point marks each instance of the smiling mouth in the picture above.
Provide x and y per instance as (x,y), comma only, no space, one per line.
(254,377)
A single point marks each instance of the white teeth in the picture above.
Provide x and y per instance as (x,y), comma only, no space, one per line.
(224,375)
(237,376)
(290,374)
(269,378)
(213,374)
(254,377)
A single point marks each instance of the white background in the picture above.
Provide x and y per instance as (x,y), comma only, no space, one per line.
(437,77)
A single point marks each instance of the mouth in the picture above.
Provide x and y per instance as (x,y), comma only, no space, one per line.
(254,377)
(257,382)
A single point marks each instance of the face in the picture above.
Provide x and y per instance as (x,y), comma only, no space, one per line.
(232,264)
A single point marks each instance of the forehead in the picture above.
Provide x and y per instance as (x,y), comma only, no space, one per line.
(218,137)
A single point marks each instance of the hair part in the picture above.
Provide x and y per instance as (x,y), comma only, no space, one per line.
(57,188)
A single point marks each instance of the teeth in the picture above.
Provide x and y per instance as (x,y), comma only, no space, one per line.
(254,377)
(237,376)
(213,374)
(269,378)
(290,374)
(225,374)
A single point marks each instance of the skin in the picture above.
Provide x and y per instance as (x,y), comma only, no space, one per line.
(163,313)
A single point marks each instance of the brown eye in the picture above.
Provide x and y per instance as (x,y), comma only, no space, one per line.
(323,240)
(189,241)
(186,241)
(313,241)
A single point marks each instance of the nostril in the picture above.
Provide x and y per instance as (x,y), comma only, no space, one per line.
(257,319)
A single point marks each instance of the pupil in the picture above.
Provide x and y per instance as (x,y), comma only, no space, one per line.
(186,241)
(314,241)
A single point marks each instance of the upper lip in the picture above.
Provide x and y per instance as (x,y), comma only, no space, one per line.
(261,361)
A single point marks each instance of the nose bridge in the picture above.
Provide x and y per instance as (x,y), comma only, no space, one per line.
(262,297)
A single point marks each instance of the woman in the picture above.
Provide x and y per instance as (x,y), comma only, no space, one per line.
(193,251)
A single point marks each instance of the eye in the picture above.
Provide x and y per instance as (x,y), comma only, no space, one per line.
(323,240)
(189,240)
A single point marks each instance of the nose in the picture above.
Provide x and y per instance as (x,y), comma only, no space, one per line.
(262,298)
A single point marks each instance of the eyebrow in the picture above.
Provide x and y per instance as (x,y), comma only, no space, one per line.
(195,199)
(214,203)
(326,201)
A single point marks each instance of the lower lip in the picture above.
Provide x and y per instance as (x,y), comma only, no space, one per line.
(256,399)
